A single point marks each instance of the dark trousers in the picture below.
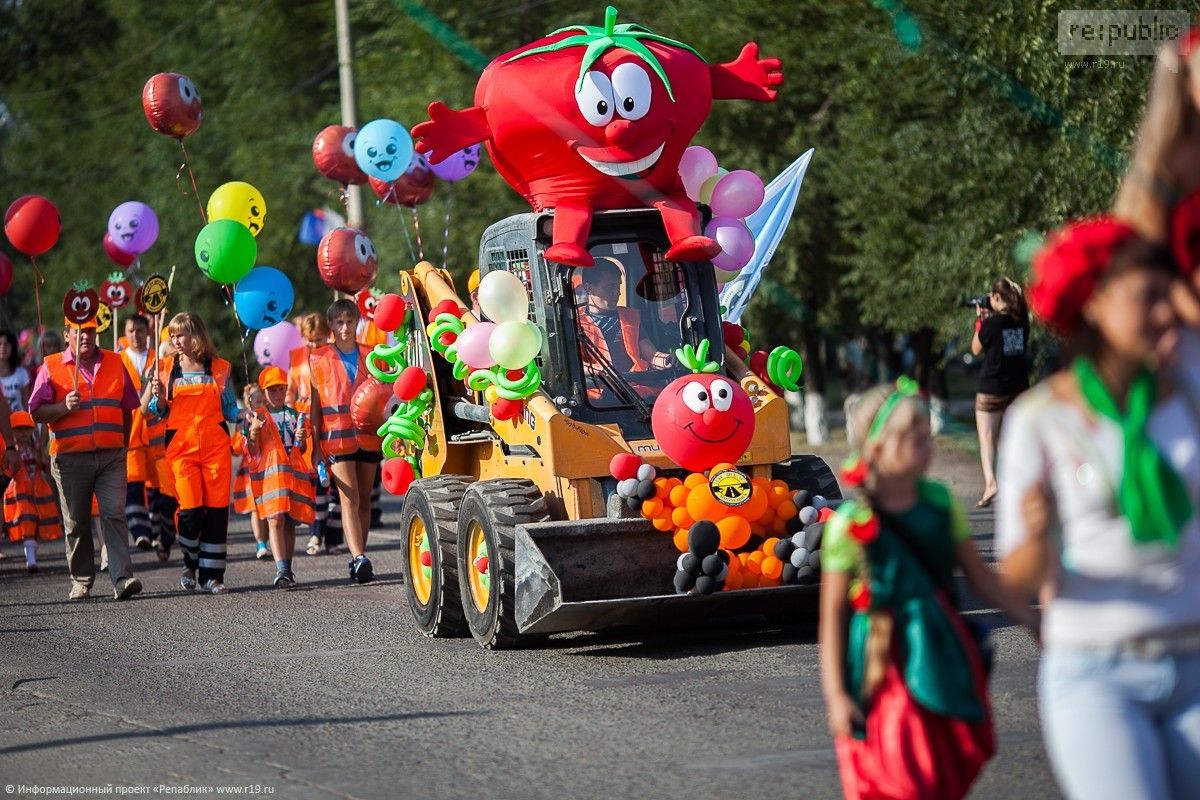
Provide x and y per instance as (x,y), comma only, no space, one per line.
(203,533)
(136,511)
(162,517)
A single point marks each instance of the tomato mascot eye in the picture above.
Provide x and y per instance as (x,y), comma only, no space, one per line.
(595,98)
(695,397)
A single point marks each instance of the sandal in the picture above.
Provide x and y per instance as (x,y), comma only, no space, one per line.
(314,546)
(984,502)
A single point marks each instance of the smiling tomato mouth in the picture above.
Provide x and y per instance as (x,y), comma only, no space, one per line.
(690,428)
(618,162)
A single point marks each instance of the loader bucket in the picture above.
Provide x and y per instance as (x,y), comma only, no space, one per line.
(601,573)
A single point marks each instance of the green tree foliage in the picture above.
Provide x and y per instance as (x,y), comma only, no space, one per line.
(944,131)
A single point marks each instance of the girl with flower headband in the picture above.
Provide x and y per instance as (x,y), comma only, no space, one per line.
(1099,484)
(895,653)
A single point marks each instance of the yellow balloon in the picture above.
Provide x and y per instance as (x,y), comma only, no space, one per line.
(238,201)
(706,188)
(491,394)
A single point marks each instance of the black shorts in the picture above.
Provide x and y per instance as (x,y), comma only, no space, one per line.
(361,456)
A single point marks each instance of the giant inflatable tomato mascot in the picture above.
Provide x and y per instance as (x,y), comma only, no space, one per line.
(589,118)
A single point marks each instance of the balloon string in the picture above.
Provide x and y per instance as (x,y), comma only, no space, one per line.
(417,227)
(187,165)
(245,361)
(446,228)
(38,280)
(403,225)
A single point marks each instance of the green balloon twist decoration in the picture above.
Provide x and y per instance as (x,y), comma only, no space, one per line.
(784,366)
(390,354)
(405,425)
(506,387)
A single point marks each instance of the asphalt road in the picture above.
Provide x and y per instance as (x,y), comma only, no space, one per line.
(327,691)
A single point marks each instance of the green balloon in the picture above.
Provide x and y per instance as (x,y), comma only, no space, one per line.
(225,250)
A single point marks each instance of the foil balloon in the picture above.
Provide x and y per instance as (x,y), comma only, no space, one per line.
(411,189)
(371,404)
(172,105)
(333,155)
(346,260)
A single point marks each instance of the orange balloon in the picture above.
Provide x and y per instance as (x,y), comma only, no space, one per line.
(662,523)
(754,562)
(735,532)
(702,505)
(694,479)
(722,466)
(735,564)
(763,580)
(757,505)
(757,530)
(678,495)
(661,489)
(681,540)
(652,507)
(781,486)
(681,518)
(778,527)
(786,509)
(767,520)
(733,582)
(768,547)
(772,567)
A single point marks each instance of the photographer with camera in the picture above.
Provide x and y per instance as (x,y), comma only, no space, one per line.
(1001,337)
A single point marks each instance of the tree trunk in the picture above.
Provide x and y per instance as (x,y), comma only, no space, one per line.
(816,418)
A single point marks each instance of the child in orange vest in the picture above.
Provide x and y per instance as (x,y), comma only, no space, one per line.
(279,474)
(243,497)
(29,509)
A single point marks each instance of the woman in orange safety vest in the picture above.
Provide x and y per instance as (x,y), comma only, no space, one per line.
(337,370)
(191,392)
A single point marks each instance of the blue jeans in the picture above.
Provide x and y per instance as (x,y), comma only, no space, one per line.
(1122,727)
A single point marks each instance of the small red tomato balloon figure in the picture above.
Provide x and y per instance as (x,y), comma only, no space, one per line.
(172,105)
(367,300)
(589,118)
(333,155)
(703,419)
(116,291)
(81,303)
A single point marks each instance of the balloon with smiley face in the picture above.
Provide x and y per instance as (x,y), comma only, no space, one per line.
(263,298)
(459,165)
(81,303)
(273,346)
(333,155)
(346,260)
(241,202)
(133,227)
(703,419)
(172,105)
(411,189)
(116,291)
(383,149)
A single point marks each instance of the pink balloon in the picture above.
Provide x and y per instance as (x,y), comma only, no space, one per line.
(696,166)
(736,240)
(473,347)
(737,195)
(273,346)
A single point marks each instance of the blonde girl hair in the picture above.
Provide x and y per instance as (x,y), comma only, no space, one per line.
(1147,193)
(314,328)
(903,418)
(202,344)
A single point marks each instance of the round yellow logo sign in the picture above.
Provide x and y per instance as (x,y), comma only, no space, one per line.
(104,317)
(730,486)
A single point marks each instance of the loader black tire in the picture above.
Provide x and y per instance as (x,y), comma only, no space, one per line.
(808,472)
(497,507)
(434,502)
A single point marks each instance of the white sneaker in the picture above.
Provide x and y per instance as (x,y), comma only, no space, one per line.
(187,581)
(214,586)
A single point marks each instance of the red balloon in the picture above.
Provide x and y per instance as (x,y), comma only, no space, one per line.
(368,406)
(333,155)
(623,466)
(411,189)
(367,299)
(172,105)
(32,224)
(397,476)
(702,420)
(346,260)
(6,274)
(445,307)
(410,383)
(389,312)
(116,254)
(507,409)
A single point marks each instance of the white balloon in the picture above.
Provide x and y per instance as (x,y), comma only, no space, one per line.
(503,298)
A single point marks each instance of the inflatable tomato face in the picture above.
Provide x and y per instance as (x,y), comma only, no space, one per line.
(703,420)
(592,118)
(333,155)
(367,300)
(116,291)
(81,303)
(172,105)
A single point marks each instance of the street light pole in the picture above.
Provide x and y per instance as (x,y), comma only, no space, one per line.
(354,215)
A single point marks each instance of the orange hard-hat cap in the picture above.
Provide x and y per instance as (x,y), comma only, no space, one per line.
(271,376)
(20,419)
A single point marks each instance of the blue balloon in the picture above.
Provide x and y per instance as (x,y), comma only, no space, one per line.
(263,298)
(383,149)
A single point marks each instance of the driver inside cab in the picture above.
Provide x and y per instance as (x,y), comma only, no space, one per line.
(613,329)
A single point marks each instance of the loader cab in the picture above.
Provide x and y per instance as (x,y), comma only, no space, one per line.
(611,330)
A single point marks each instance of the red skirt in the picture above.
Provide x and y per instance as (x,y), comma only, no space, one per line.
(911,753)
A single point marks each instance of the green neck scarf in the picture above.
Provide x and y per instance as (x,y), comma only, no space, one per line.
(1151,494)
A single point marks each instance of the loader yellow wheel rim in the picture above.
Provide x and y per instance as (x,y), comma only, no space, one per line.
(479,568)
(418,553)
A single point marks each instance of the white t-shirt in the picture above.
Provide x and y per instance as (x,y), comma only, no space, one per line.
(1109,589)
(12,387)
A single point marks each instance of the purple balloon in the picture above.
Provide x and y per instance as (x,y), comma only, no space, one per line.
(273,346)
(459,165)
(473,345)
(697,165)
(737,195)
(133,227)
(736,240)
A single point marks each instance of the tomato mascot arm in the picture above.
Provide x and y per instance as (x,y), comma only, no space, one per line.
(449,131)
(748,77)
